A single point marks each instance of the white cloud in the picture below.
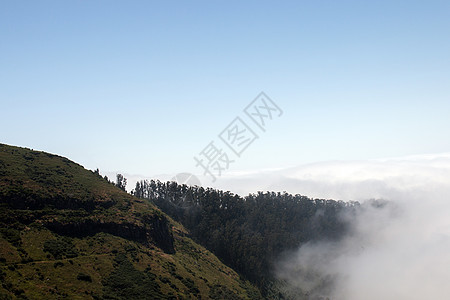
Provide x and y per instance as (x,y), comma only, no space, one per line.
(399,252)
(351,180)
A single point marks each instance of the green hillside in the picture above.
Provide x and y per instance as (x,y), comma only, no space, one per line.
(66,232)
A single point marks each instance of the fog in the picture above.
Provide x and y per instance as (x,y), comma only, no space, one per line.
(398,251)
(395,178)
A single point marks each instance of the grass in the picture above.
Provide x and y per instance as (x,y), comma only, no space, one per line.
(38,261)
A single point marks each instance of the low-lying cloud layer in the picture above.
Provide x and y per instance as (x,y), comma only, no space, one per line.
(399,251)
(351,180)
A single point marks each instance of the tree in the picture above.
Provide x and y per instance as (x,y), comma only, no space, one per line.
(121,182)
(248,233)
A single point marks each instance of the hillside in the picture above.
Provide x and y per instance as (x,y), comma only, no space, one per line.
(66,232)
(251,234)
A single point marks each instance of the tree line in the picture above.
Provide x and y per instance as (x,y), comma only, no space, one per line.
(248,233)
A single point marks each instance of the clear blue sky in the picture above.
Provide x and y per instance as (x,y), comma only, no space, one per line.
(143,86)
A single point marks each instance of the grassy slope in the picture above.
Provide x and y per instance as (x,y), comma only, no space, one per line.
(41,193)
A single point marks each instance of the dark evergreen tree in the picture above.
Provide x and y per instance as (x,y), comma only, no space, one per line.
(248,233)
(121,182)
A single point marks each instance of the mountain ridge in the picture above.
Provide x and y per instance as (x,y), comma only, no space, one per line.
(68,232)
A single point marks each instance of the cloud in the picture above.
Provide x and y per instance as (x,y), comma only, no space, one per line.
(351,180)
(397,251)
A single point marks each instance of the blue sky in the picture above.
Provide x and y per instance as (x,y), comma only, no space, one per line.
(142,86)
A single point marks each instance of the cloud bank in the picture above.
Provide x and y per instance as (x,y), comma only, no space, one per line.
(394,178)
(397,251)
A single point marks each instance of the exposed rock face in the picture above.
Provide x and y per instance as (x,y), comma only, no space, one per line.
(156,232)
(72,201)
(162,234)
(155,229)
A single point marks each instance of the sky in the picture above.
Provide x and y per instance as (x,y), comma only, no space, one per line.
(399,250)
(141,87)
(362,87)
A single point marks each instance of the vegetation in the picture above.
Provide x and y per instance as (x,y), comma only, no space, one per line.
(248,233)
(121,182)
(61,248)
(66,232)
(126,282)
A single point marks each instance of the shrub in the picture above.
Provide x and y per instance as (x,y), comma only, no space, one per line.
(11,235)
(126,282)
(84,277)
(222,292)
(190,285)
(61,248)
